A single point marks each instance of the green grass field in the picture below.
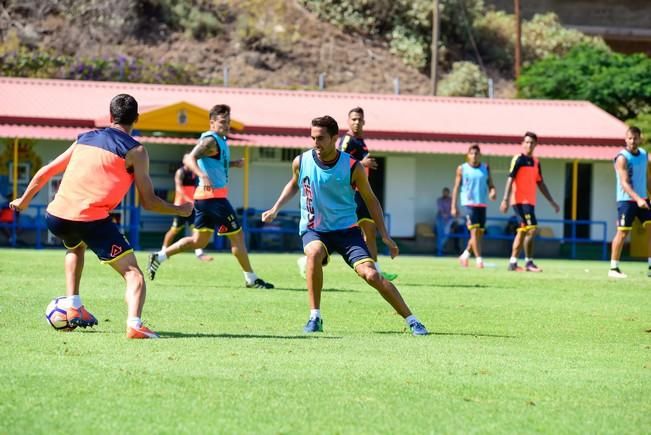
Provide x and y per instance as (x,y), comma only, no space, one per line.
(565,351)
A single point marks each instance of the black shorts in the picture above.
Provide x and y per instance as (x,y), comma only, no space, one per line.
(526,216)
(102,236)
(627,211)
(215,213)
(362,211)
(180,221)
(475,217)
(349,243)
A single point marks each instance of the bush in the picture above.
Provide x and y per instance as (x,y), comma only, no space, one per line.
(541,37)
(465,80)
(618,83)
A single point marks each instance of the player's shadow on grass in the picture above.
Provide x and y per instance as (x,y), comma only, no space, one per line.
(327,290)
(227,335)
(469,334)
(446,285)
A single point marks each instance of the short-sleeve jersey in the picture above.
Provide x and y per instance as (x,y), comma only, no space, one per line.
(354,146)
(526,173)
(636,167)
(474,185)
(216,167)
(96,178)
(327,196)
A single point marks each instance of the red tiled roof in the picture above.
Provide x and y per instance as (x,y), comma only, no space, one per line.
(570,152)
(76,103)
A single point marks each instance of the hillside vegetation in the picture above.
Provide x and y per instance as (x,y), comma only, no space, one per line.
(360,46)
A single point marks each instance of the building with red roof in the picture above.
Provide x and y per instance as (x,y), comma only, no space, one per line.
(419,141)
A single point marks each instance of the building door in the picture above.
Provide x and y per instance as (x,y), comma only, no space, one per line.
(400,195)
(376,179)
(584,198)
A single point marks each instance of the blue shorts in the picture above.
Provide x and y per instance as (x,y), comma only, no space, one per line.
(475,217)
(349,243)
(627,211)
(103,236)
(362,211)
(526,216)
(215,213)
(180,221)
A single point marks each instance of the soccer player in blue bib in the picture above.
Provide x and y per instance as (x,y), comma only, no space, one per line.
(631,168)
(327,179)
(476,184)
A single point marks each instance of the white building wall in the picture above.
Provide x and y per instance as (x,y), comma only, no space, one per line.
(604,204)
(431,173)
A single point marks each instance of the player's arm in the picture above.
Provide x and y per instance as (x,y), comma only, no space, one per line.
(625,182)
(41,178)
(455,191)
(206,147)
(138,159)
(360,180)
(492,192)
(504,205)
(368,162)
(288,192)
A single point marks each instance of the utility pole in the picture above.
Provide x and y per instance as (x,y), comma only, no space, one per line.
(518,39)
(435,45)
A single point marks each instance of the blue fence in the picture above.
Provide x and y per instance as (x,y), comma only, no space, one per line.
(498,232)
(282,233)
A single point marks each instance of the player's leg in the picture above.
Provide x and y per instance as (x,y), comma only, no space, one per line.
(518,240)
(532,228)
(72,233)
(352,247)
(199,239)
(74,267)
(168,239)
(369,230)
(465,255)
(134,296)
(204,224)
(626,212)
(317,255)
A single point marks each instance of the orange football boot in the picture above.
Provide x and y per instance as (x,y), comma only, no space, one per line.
(80,317)
(143,332)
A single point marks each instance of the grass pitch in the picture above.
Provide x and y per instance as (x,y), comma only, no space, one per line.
(565,351)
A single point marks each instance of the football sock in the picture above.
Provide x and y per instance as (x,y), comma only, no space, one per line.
(465,255)
(479,260)
(315,314)
(527,259)
(513,260)
(410,319)
(614,264)
(198,252)
(75,301)
(377,267)
(649,259)
(250,277)
(161,256)
(134,322)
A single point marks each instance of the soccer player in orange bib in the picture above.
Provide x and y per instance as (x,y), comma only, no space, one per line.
(524,177)
(99,169)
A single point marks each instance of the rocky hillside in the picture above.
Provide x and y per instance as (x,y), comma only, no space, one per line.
(266,44)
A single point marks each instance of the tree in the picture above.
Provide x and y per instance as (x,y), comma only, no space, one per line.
(618,83)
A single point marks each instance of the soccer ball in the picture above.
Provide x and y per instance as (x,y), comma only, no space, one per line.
(56,315)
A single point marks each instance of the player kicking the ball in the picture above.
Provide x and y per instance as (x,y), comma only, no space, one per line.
(327,179)
(100,167)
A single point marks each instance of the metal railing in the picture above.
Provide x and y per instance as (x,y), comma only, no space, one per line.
(572,240)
